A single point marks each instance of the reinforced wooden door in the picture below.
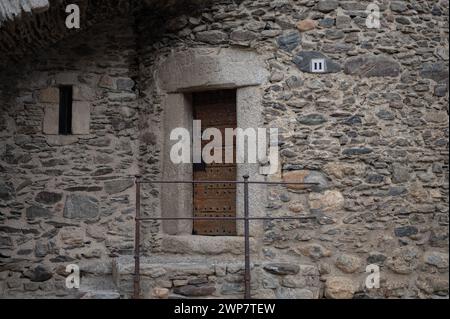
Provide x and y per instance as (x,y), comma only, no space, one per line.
(215,109)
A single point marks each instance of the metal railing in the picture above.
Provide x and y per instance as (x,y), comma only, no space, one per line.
(247,218)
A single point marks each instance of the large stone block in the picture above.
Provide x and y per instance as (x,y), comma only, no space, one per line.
(210,68)
(81,117)
(49,95)
(51,119)
(372,66)
(81,207)
(339,288)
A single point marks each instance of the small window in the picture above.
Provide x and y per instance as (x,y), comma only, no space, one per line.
(318,65)
(65,110)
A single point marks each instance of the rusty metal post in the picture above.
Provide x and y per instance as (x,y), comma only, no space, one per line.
(137,241)
(247,276)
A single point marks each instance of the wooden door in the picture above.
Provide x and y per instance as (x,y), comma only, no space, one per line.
(216,109)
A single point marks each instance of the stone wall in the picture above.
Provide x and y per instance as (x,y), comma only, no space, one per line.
(372,132)
(68,199)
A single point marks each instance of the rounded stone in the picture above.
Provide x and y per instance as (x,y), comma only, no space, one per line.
(348,263)
(160,293)
(306,25)
(329,201)
(339,288)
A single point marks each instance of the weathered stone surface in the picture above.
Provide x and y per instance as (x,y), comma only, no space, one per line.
(400,173)
(294,293)
(312,119)
(404,260)
(372,66)
(399,6)
(405,231)
(282,268)
(49,95)
(48,198)
(314,251)
(6,191)
(436,71)
(339,288)
(212,37)
(160,293)
(305,176)
(329,201)
(40,274)
(81,207)
(437,259)
(348,263)
(195,291)
(289,40)
(198,68)
(118,186)
(242,35)
(303,62)
(355,151)
(306,25)
(327,5)
(38,212)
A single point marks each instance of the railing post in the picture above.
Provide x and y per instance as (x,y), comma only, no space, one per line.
(247,276)
(137,240)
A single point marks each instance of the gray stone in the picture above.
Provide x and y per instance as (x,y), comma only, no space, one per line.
(289,40)
(293,293)
(40,274)
(355,151)
(397,191)
(376,258)
(212,37)
(38,212)
(41,248)
(125,84)
(404,260)
(402,20)
(118,186)
(406,231)
(441,90)
(303,62)
(437,259)
(399,6)
(372,66)
(348,263)
(327,22)
(242,35)
(81,207)
(48,198)
(312,119)
(436,71)
(195,291)
(400,173)
(327,5)
(282,268)
(6,191)
(386,115)
(6,242)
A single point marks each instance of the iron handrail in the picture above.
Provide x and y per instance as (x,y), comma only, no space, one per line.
(246,219)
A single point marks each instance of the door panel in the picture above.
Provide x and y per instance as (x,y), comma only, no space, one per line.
(216,109)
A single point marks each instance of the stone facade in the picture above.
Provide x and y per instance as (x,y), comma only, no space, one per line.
(371,131)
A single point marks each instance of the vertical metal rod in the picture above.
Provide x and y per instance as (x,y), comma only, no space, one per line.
(137,241)
(247,239)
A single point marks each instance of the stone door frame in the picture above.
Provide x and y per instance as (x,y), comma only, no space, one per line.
(196,70)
